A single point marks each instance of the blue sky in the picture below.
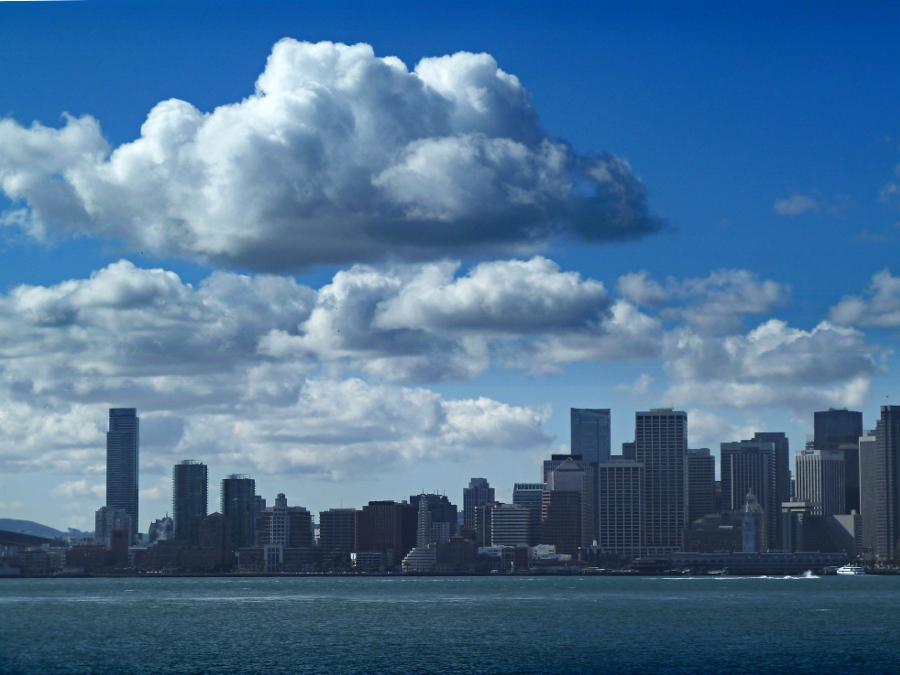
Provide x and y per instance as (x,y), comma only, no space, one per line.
(762,143)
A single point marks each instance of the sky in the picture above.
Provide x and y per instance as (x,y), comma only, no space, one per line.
(364,250)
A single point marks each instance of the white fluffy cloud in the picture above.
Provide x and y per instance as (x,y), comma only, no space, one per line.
(878,307)
(796,205)
(338,156)
(772,365)
(713,305)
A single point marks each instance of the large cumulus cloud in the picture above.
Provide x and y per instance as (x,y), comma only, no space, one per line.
(338,156)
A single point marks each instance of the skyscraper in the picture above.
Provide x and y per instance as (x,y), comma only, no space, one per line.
(660,444)
(189,499)
(238,509)
(701,484)
(572,473)
(887,482)
(531,496)
(510,525)
(337,530)
(590,431)
(477,494)
(868,480)
(122,463)
(820,481)
(621,508)
(750,466)
(840,430)
(590,434)
(289,526)
(782,471)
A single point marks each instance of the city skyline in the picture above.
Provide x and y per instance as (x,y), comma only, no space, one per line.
(350,258)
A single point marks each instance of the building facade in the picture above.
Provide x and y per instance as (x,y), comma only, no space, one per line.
(868,507)
(749,466)
(122,463)
(189,499)
(782,469)
(620,510)
(510,525)
(701,483)
(590,434)
(840,430)
(561,520)
(820,481)
(289,526)
(237,506)
(531,496)
(337,530)
(107,519)
(887,482)
(477,494)
(572,473)
(660,445)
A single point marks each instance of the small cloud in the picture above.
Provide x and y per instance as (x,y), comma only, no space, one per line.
(639,387)
(10,505)
(796,205)
(79,488)
(871,237)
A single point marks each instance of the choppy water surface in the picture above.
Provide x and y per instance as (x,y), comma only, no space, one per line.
(517,625)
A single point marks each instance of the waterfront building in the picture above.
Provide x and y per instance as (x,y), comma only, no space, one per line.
(620,510)
(531,496)
(750,466)
(477,494)
(561,520)
(420,559)
(820,480)
(289,526)
(237,506)
(189,499)
(701,483)
(107,519)
(510,525)
(805,530)
(753,529)
(887,482)
(122,463)
(440,511)
(383,527)
(661,446)
(840,430)
(483,523)
(423,526)
(216,535)
(782,470)
(572,473)
(590,430)
(337,530)
(867,491)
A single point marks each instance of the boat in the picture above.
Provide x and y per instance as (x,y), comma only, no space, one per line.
(854,570)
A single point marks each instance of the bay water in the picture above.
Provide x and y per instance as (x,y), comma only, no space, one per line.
(406,625)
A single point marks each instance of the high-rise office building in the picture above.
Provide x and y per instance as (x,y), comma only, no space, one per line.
(531,496)
(385,527)
(620,510)
(868,480)
(749,466)
(423,524)
(590,434)
(122,463)
(701,483)
(290,526)
(510,525)
(337,530)
(477,494)
(441,511)
(237,504)
(887,482)
(561,520)
(820,481)
(840,430)
(782,471)
(660,444)
(189,499)
(570,472)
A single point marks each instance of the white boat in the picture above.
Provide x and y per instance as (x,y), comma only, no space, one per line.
(855,570)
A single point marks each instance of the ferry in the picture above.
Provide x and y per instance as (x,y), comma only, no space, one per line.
(854,570)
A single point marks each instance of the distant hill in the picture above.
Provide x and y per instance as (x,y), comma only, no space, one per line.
(38,530)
